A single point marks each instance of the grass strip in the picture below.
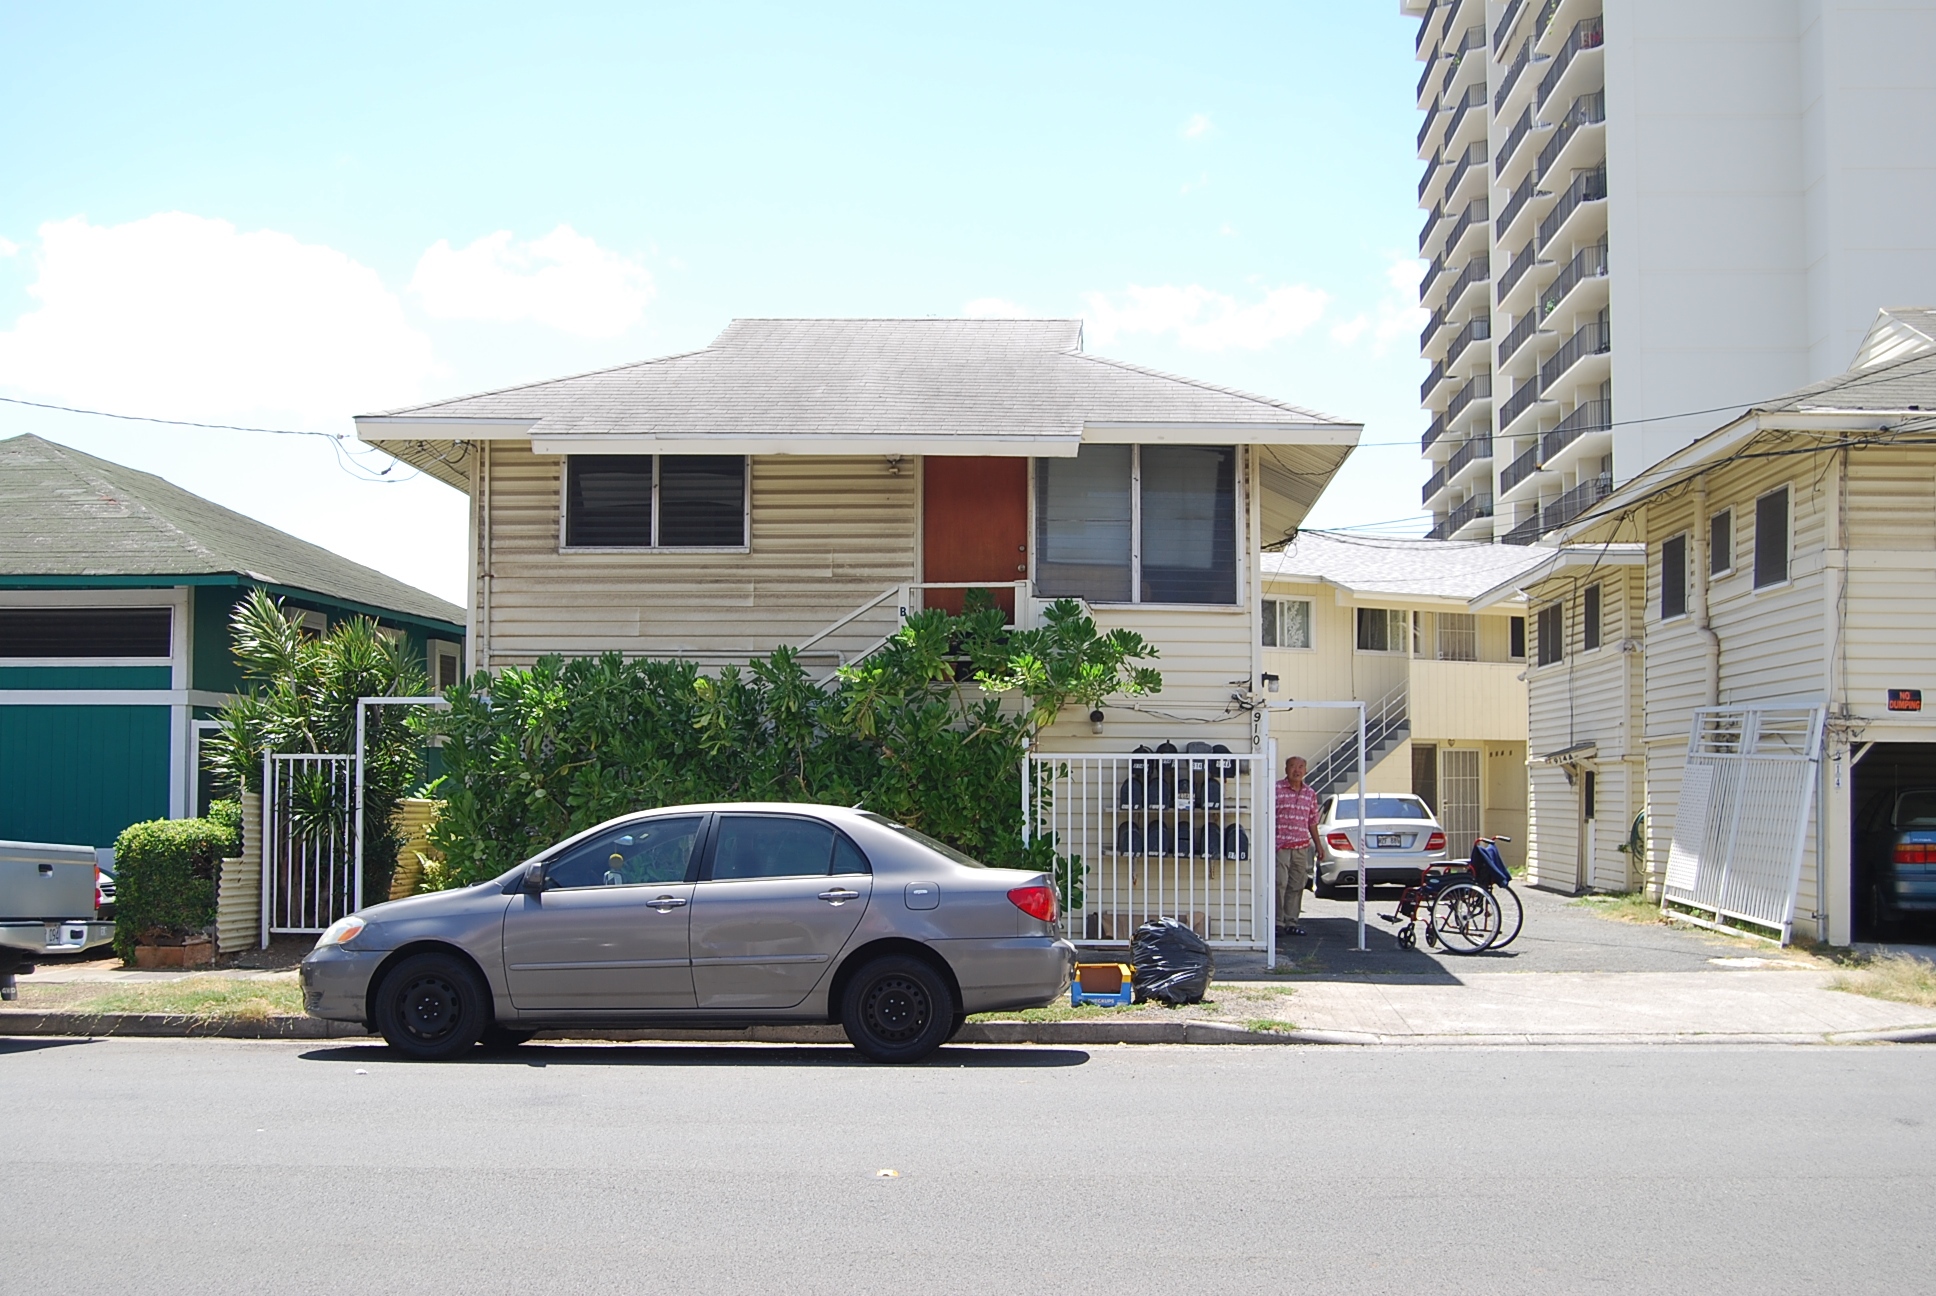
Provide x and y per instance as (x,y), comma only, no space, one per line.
(1900,978)
(202,998)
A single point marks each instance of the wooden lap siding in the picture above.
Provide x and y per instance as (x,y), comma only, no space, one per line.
(827,534)
(1206,656)
(1774,641)
(1585,697)
(80,774)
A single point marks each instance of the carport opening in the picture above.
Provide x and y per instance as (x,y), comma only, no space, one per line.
(1893,851)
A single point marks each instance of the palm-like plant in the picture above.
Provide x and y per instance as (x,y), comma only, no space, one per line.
(302,697)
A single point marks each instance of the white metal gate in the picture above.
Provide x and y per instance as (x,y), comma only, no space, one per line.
(1746,795)
(309,857)
(1183,836)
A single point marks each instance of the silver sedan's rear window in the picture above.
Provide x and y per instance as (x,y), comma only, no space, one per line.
(1378,807)
(916,834)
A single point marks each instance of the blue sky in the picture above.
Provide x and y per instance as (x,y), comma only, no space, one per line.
(280,216)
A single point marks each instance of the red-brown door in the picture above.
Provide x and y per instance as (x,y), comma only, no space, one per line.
(974,525)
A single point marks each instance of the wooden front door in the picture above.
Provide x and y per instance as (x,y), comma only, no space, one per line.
(974,526)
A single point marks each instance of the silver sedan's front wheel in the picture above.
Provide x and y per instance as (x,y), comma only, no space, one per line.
(432,1007)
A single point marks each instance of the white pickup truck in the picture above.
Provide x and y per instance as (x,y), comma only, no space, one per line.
(47,906)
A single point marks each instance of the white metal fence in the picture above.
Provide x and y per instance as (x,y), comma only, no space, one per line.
(1183,836)
(1746,795)
(309,872)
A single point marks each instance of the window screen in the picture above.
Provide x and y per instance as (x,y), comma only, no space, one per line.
(1771,538)
(1590,617)
(702,501)
(1189,524)
(85,632)
(1082,520)
(608,501)
(1673,577)
(1720,542)
(1516,638)
(1552,633)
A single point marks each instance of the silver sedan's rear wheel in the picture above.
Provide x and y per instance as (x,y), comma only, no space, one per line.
(897,1009)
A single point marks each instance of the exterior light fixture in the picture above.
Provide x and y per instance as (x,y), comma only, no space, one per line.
(1270,683)
(1095,722)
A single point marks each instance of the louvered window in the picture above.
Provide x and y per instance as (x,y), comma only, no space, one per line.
(86,632)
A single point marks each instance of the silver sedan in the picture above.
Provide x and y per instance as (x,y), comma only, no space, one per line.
(1405,839)
(710,915)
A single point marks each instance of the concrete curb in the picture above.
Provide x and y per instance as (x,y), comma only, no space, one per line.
(1065,1033)
(171,1025)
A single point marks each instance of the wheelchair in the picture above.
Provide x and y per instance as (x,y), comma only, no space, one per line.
(1467,908)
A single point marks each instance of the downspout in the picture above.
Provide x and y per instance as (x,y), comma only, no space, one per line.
(1710,642)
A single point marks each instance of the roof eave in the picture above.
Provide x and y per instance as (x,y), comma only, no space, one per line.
(1515,587)
(1698,457)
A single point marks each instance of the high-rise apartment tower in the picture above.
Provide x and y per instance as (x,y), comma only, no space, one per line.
(1644,212)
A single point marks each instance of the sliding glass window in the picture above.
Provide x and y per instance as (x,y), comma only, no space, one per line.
(1137,524)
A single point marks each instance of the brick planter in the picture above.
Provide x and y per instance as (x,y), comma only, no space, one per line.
(199,952)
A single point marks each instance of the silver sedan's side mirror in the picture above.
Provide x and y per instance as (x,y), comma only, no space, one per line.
(534,876)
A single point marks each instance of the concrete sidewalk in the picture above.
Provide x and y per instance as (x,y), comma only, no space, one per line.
(1571,1007)
(1754,1004)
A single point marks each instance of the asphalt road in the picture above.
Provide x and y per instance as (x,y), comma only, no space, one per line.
(168,1166)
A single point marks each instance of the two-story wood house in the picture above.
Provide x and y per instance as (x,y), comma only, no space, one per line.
(810,483)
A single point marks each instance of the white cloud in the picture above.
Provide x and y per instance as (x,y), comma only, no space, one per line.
(1351,330)
(1395,316)
(1205,320)
(8,249)
(185,317)
(563,280)
(1197,127)
(1403,275)
(995,308)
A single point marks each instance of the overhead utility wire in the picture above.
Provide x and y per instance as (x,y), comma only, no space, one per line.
(345,455)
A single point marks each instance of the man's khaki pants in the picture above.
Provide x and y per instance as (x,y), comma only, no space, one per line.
(1293,871)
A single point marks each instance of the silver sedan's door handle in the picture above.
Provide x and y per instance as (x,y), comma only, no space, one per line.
(666,904)
(839,896)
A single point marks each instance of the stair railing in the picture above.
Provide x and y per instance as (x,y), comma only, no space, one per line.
(1387,723)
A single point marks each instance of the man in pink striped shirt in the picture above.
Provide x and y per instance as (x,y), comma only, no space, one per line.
(1297,826)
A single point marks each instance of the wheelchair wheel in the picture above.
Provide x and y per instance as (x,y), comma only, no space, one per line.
(1512,915)
(1466,918)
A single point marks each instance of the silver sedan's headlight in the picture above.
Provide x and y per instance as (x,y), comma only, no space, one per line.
(341,932)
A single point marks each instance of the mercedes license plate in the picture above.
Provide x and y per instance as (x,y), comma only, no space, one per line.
(1385,839)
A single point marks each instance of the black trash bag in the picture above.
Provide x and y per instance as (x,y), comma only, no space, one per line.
(1173,964)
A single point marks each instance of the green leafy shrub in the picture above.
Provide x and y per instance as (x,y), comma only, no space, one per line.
(164,872)
(302,697)
(929,730)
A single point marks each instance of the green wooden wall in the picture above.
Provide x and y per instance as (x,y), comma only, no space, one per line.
(80,774)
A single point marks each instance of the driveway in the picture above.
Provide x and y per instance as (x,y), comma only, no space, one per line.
(1559,936)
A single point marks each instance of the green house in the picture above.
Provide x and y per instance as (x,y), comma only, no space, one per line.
(115,594)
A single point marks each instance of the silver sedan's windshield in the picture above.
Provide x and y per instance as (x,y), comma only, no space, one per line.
(916,834)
